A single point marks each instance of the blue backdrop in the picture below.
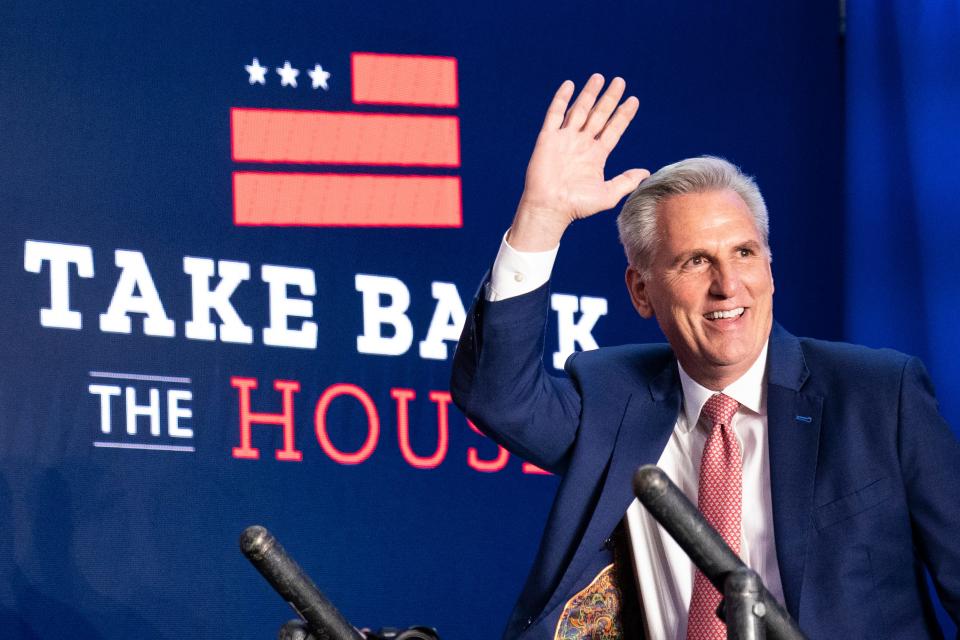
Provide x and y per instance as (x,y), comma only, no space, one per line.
(903,137)
(124,476)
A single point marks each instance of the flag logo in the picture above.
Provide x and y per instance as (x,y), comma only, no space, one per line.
(301,149)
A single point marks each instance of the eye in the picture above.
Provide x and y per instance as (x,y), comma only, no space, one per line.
(696,261)
(745,252)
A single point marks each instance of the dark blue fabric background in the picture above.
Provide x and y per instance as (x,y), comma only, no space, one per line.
(903,152)
(114,127)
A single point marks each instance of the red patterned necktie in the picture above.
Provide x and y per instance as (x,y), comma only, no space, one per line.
(721,484)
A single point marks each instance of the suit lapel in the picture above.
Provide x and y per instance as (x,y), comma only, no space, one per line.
(793,426)
(793,423)
(648,421)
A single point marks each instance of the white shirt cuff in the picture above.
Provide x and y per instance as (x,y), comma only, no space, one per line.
(518,272)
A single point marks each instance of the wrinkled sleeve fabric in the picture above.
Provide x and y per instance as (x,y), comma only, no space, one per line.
(930,466)
(500,383)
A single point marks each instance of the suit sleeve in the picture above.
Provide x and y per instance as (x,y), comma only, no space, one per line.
(500,383)
(930,464)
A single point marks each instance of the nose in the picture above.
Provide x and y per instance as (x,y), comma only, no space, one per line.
(725,281)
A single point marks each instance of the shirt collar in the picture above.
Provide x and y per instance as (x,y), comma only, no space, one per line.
(749,390)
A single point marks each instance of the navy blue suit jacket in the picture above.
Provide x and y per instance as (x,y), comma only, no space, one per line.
(865,473)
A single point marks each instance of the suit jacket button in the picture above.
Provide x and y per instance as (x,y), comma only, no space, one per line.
(608,543)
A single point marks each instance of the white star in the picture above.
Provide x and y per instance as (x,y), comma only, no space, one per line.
(319,77)
(288,75)
(256,72)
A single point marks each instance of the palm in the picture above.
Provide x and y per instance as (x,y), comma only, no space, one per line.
(565,174)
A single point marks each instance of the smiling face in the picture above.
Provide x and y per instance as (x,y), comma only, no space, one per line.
(709,285)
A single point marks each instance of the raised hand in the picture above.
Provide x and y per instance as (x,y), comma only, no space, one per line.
(565,179)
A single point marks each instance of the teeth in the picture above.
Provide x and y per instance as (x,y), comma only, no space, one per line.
(716,315)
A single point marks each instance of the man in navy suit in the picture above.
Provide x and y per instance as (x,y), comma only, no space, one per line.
(826,466)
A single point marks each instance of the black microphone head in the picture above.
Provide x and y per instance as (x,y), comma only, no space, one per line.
(650,483)
(255,541)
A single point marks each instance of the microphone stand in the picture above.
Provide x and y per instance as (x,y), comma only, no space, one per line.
(748,608)
(319,618)
(743,605)
(323,620)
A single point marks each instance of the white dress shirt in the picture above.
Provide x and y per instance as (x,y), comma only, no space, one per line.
(664,572)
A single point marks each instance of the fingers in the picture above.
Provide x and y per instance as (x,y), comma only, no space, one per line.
(558,106)
(624,184)
(617,124)
(578,113)
(589,114)
(605,106)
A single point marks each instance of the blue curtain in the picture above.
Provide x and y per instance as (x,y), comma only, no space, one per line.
(903,199)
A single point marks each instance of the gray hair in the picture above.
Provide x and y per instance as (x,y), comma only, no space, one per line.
(637,222)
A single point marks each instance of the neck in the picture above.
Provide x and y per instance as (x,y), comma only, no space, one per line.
(714,380)
(718,377)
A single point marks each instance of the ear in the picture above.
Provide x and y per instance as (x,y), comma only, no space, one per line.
(638,293)
(773,288)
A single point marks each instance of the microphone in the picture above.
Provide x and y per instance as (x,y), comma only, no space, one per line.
(288,579)
(704,545)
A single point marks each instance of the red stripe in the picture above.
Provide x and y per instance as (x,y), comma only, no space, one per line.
(416,81)
(327,137)
(345,200)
